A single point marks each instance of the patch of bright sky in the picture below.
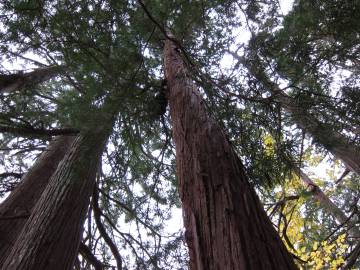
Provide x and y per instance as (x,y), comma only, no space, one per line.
(242,35)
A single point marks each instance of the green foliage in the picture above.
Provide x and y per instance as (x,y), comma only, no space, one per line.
(112,55)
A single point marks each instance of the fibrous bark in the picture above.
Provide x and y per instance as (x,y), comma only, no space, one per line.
(50,238)
(16,209)
(226,226)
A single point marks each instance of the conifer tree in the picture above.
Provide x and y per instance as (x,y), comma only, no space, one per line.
(226,227)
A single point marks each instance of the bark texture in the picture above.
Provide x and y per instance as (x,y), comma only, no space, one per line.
(50,238)
(14,82)
(226,225)
(16,209)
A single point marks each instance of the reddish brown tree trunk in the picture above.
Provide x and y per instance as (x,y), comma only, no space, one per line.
(226,226)
(50,238)
(16,209)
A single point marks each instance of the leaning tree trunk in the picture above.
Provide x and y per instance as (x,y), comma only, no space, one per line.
(50,238)
(16,209)
(335,142)
(328,205)
(226,225)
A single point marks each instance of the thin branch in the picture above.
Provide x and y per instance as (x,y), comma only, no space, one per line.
(124,235)
(166,33)
(282,202)
(353,257)
(97,215)
(24,216)
(11,174)
(345,173)
(131,211)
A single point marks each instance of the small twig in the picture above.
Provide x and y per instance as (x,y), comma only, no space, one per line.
(345,173)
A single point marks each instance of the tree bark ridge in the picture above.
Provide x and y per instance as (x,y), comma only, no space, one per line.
(50,238)
(22,200)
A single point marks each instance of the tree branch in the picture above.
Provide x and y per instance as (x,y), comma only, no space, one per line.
(102,230)
(26,131)
(11,174)
(353,257)
(15,217)
(90,257)
(14,82)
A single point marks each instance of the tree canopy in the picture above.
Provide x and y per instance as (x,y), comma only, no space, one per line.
(283,87)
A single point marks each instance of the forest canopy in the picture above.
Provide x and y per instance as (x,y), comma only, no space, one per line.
(115,115)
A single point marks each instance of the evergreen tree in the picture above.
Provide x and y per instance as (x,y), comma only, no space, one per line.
(226,227)
(95,69)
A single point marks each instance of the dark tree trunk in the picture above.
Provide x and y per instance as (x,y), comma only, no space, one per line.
(226,226)
(90,257)
(50,238)
(16,209)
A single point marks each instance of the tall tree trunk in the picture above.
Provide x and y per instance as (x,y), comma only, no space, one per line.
(16,209)
(50,238)
(226,225)
(328,205)
(14,82)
